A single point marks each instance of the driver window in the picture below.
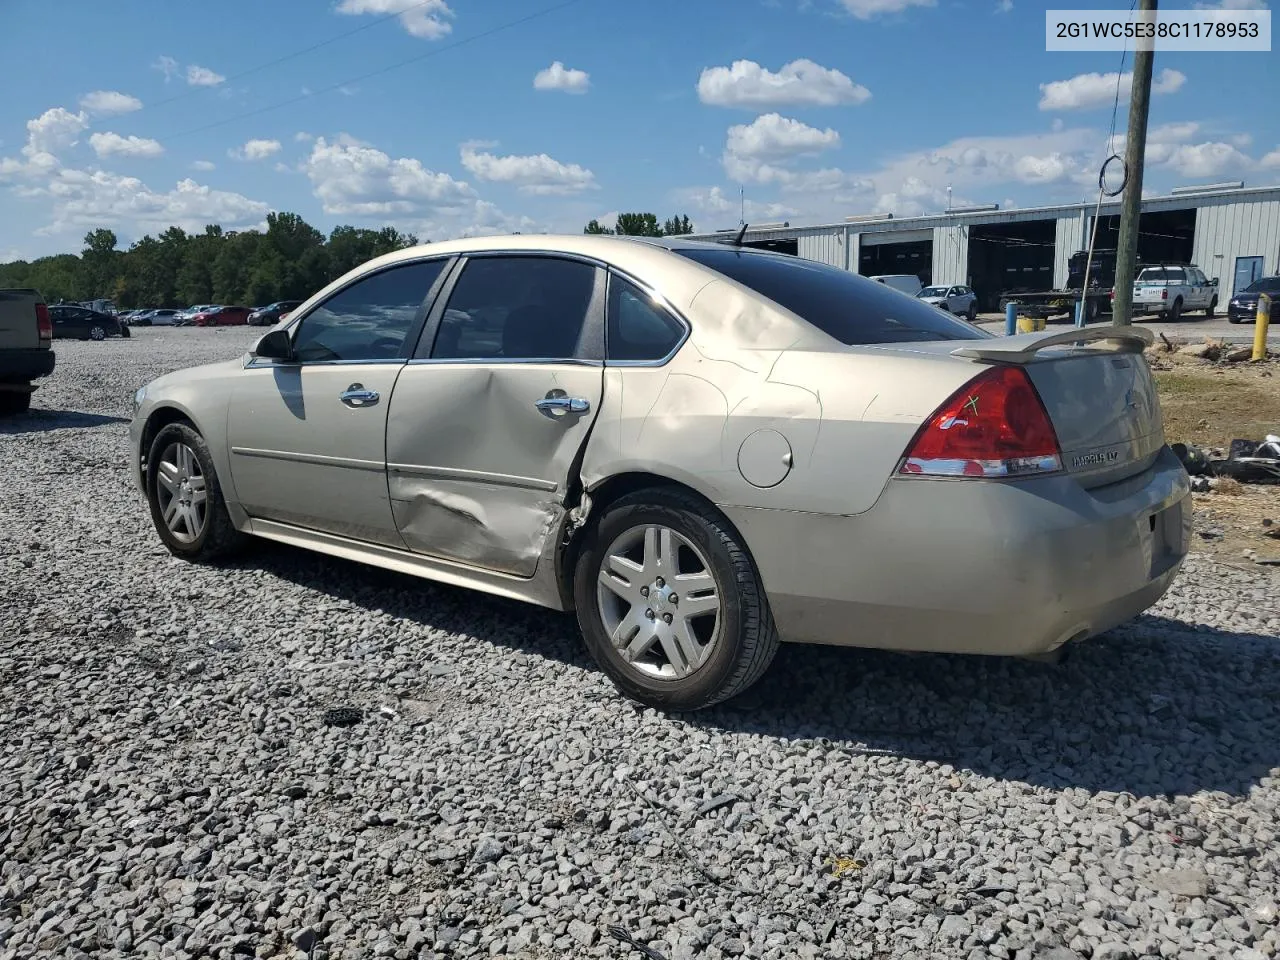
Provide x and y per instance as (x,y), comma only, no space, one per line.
(368,320)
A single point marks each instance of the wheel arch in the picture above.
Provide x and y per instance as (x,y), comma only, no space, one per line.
(601,495)
(160,417)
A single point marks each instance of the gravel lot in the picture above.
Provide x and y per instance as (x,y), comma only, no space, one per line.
(171,787)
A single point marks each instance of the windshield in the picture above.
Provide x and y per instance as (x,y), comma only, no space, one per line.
(1265,285)
(1162,275)
(933,292)
(843,305)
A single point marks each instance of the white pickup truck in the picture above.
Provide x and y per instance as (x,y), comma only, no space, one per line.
(26,350)
(1171,290)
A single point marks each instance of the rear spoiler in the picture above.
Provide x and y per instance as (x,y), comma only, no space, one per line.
(1023,347)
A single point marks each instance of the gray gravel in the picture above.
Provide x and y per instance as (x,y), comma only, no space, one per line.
(171,786)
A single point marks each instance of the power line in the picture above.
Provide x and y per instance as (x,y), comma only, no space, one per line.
(434,52)
(297,53)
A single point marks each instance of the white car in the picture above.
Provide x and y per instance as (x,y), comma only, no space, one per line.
(1173,290)
(907,283)
(957,299)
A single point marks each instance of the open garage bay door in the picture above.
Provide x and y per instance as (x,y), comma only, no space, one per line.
(1010,258)
(1163,237)
(901,252)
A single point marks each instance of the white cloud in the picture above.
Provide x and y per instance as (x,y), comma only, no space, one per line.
(352,178)
(714,202)
(537,173)
(114,145)
(801,82)
(1004,6)
(427,19)
(203,77)
(562,78)
(166,65)
(1243,139)
(1271,161)
(203,165)
(774,137)
(867,9)
(1233,5)
(52,131)
(1088,90)
(105,102)
(81,198)
(255,150)
(1209,159)
(302,137)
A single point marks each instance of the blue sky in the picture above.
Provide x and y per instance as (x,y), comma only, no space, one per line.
(817,109)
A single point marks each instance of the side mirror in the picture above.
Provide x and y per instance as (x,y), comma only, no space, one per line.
(274,345)
(1213,282)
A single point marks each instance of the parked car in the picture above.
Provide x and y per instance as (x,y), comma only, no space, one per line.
(164,317)
(84,324)
(185,317)
(907,283)
(957,299)
(221,317)
(26,351)
(701,448)
(1243,307)
(1172,289)
(269,316)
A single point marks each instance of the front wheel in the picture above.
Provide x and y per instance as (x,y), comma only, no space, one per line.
(670,604)
(185,497)
(124,332)
(972,313)
(1213,305)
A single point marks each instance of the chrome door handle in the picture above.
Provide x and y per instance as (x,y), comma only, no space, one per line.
(567,404)
(357,396)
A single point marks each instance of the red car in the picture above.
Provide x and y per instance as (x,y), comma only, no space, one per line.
(222,317)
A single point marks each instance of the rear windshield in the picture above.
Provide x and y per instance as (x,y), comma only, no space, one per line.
(843,305)
(1162,274)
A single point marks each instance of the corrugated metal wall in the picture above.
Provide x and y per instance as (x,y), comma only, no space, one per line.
(1069,236)
(951,254)
(1225,231)
(826,246)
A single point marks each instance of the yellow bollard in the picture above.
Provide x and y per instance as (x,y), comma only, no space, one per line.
(1030,324)
(1262,321)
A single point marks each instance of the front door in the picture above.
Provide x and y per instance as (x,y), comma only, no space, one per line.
(1248,269)
(488,420)
(307,436)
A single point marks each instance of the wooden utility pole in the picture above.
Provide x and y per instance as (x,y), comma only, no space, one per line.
(1135,145)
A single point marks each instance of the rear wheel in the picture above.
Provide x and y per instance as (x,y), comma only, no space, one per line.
(972,313)
(124,332)
(185,497)
(670,604)
(1175,311)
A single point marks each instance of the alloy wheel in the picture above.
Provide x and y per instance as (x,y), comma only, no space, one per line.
(659,602)
(181,493)
(97,333)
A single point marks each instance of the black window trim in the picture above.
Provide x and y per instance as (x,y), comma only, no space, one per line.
(411,335)
(590,341)
(661,301)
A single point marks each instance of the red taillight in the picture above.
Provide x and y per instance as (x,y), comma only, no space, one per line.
(43,324)
(993,426)
(1164,294)
(1113,293)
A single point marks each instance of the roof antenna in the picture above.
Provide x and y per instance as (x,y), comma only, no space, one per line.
(742,232)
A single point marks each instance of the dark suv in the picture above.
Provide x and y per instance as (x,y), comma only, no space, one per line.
(1243,307)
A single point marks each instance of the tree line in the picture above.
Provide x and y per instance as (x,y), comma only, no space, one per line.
(290,260)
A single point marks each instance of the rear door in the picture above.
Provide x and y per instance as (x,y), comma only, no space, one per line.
(488,420)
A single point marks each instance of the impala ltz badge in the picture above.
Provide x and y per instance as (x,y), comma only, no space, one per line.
(1095,459)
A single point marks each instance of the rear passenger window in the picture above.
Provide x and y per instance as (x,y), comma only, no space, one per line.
(516,308)
(638,328)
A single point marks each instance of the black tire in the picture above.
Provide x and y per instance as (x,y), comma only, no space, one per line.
(972,313)
(1231,319)
(97,332)
(14,402)
(1091,310)
(748,639)
(1213,305)
(124,332)
(218,538)
(1175,310)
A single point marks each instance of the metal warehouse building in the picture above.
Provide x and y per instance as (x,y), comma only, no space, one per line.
(1231,232)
